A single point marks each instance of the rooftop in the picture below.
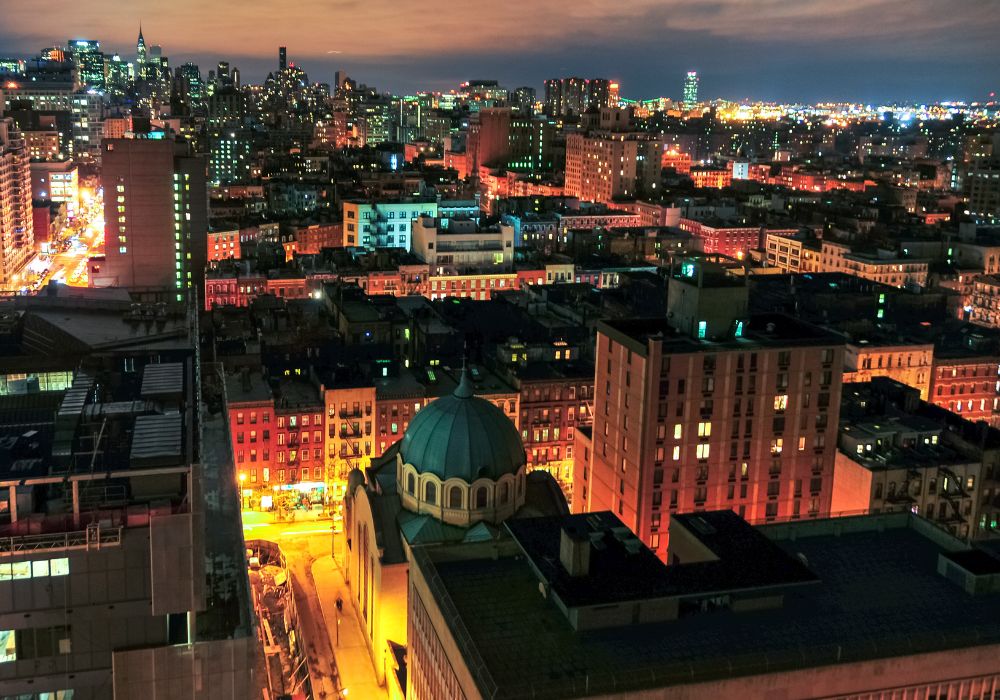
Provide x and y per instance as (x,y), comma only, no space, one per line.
(761,330)
(879,595)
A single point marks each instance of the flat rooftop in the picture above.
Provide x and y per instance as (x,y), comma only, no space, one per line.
(880,595)
(762,330)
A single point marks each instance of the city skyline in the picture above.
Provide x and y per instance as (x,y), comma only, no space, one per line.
(814,52)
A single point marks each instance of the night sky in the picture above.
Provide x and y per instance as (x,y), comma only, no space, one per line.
(791,50)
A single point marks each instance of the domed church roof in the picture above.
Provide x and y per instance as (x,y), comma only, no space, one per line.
(463,436)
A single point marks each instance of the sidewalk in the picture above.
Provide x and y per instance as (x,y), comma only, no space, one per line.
(354,664)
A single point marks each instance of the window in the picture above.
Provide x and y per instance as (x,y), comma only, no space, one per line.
(781,402)
(702,329)
(430,493)
(504,493)
(702,451)
(8,649)
(455,497)
(704,429)
(481,497)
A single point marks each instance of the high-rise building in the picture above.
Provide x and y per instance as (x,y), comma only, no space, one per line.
(573,96)
(489,138)
(140,55)
(190,85)
(710,408)
(606,164)
(523,99)
(230,155)
(118,73)
(530,144)
(982,179)
(156,210)
(16,222)
(691,90)
(89,62)
(282,58)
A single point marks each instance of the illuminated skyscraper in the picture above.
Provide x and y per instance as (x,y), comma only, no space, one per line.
(117,75)
(190,85)
(282,58)
(89,61)
(691,90)
(140,55)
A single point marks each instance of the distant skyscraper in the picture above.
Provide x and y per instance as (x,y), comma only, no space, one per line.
(140,54)
(117,75)
(89,61)
(691,90)
(156,210)
(16,223)
(282,58)
(573,96)
(523,99)
(190,85)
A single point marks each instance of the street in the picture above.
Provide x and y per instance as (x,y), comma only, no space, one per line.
(334,654)
(81,238)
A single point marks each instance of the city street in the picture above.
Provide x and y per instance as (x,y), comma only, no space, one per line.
(307,546)
(81,238)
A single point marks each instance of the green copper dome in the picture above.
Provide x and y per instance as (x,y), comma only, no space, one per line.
(463,436)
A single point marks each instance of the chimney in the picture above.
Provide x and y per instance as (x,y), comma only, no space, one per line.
(574,550)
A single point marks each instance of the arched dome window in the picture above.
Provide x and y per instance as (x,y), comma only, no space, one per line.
(455,497)
(411,484)
(504,494)
(481,497)
(430,493)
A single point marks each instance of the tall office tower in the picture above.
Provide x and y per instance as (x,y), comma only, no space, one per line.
(155,213)
(89,62)
(981,180)
(117,75)
(190,85)
(140,55)
(710,408)
(691,90)
(282,58)
(17,232)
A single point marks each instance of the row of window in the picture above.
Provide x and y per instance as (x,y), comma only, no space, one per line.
(316,474)
(37,643)
(40,568)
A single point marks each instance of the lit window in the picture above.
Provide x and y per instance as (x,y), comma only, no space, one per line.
(704,429)
(702,451)
(8,652)
(677,431)
(702,329)
(781,402)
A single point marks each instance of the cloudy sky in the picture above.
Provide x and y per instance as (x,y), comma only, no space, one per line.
(806,50)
